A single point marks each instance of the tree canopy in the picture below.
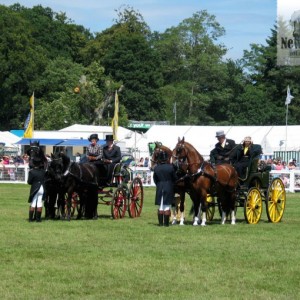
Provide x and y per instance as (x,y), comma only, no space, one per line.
(74,74)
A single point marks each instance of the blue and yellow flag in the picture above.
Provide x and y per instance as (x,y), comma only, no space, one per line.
(115,120)
(29,123)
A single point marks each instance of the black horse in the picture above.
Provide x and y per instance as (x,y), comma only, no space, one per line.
(82,178)
(36,155)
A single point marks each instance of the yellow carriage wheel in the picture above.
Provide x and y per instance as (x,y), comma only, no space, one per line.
(276,200)
(210,211)
(253,206)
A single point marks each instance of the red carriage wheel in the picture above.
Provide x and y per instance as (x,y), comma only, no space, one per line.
(136,198)
(119,203)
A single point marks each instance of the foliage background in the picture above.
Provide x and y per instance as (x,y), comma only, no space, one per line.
(45,52)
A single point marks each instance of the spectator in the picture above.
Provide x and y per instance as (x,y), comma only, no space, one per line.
(141,162)
(291,165)
(146,162)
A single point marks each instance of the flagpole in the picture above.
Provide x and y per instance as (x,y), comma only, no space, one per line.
(286,122)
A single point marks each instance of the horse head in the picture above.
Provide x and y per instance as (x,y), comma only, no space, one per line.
(186,157)
(36,155)
(58,166)
(159,147)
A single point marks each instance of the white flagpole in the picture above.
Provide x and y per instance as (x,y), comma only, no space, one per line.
(286,122)
(174,111)
(288,100)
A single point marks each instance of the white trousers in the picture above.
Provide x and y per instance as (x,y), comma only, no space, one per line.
(162,206)
(37,200)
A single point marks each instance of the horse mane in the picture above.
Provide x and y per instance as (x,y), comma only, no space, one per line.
(191,148)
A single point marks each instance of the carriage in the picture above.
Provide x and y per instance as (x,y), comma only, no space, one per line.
(79,187)
(250,192)
(124,193)
(257,187)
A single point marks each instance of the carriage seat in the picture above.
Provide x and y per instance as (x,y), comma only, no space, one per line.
(251,168)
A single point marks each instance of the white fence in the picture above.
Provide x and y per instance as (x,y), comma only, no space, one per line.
(14,173)
(19,174)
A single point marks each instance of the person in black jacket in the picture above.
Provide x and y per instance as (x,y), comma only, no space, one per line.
(164,177)
(36,179)
(224,151)
(246,152)
(111,156)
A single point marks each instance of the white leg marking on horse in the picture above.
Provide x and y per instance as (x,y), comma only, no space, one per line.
(223,217)
(203,223)
(233,217)
(196,219)
(174,222)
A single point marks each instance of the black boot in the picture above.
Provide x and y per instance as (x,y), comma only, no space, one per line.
(160,215)
(31,213)
(167,214)
(38,216)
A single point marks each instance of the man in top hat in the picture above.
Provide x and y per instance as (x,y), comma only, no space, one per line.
(94,152)
(111,155)
(224,151)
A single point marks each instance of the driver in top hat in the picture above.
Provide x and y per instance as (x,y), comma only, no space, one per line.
(224,151)
(111,155)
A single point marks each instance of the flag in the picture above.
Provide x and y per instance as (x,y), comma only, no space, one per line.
(115,120)
(289,97)
(29,123)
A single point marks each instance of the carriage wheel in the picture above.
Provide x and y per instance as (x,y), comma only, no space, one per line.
(253,206)
(74,204)
(210,211)
(276,199)
(136,198)
(119,203)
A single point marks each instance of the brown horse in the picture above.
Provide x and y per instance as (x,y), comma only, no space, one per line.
(221,181)
(179,187)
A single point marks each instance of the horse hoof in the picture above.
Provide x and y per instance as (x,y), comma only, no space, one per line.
(174,222)
(203,225)
(181,224)
(195,224)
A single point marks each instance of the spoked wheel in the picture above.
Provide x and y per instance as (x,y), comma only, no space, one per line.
(253,206)
(276,199)
(136,198)
(119,203)
(210,211)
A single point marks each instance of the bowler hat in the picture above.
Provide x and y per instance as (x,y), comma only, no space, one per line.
(94,136)
(109,137)
(220,133)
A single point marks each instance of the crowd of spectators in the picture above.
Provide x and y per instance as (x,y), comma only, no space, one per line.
(10,167)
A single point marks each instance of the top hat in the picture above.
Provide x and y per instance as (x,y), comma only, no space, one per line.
(35,144)
(94,136)
(220,133)
(109,137)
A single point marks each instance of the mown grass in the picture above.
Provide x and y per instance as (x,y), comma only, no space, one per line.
(136,259)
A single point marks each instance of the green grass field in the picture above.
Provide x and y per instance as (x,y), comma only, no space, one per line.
(136,259)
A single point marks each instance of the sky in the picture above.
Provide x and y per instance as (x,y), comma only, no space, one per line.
(245,21)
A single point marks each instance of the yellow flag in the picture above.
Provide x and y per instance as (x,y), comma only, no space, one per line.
(29,123)
(115,120)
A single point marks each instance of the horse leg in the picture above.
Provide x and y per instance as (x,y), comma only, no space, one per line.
(182,202)
(196,203)
(233,216)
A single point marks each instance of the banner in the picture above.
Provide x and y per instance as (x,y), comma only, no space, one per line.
(115,120)
(29,123)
